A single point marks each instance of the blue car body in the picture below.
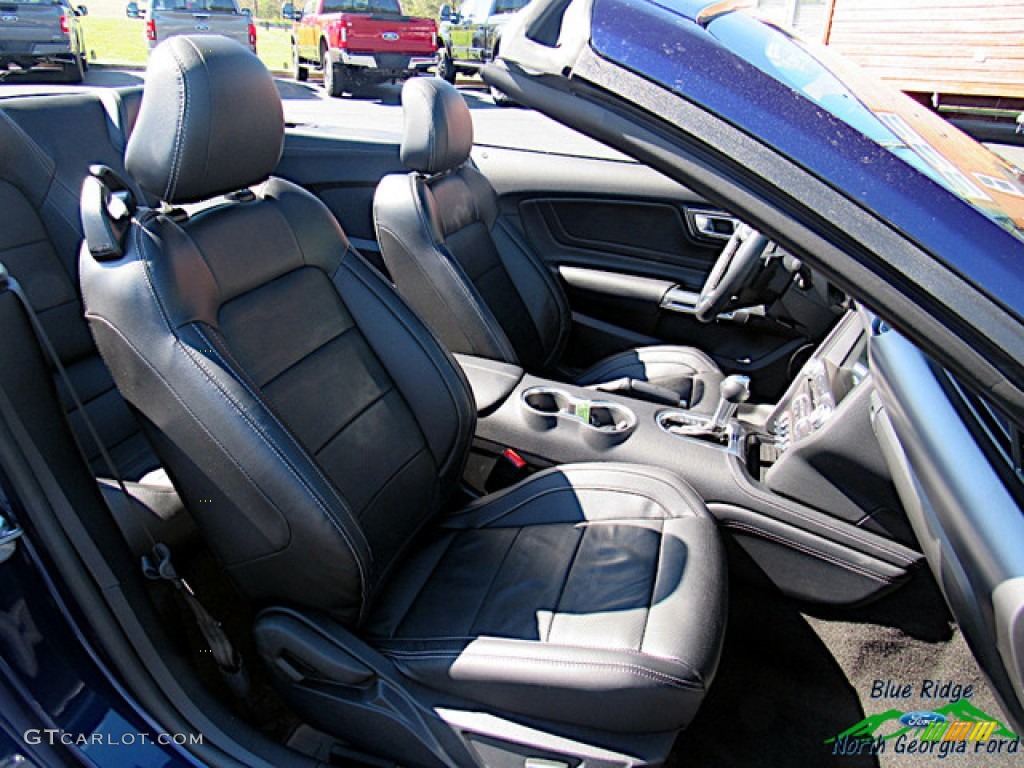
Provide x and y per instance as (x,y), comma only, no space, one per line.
(59,704)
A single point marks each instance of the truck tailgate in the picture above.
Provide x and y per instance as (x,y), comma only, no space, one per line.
(391,34)
(22,25)
(182,22)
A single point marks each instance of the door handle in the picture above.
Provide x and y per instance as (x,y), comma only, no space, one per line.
(711,225)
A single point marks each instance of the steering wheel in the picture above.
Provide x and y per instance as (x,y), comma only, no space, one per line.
(736,268)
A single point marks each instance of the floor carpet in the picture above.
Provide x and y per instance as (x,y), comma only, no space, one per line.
(792,678)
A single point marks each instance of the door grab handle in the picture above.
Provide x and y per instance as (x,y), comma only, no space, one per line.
(680,300)
(716,226)
(685,302)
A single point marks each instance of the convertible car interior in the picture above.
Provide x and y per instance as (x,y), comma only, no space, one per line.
(468,471)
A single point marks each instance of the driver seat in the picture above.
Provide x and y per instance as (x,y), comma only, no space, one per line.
(478,284)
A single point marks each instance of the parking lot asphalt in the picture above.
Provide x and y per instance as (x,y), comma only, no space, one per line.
(377,114)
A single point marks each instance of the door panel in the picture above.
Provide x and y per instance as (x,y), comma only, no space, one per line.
(620,236)
(631,235)
(614,311)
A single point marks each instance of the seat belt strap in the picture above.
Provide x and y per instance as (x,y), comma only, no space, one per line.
(158,564)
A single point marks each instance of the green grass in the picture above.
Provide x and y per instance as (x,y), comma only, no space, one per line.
(121,41)
(115,41)
(274,47)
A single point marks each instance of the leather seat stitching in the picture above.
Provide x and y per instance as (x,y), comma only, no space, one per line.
(501,342)
(196,420)
(180,128)
(190,355)
(554,290)
(445,380)
(641,654)
(240,376)
(231,364)
(565,582)
(632,669)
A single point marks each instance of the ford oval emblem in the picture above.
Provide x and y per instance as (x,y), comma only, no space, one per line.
(203,27)
(390,36)
(921,719)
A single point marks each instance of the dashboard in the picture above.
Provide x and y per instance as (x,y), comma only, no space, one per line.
(835,369)
(953,460)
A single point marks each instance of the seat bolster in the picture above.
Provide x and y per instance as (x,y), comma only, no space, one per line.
(432,383)
(543,297)
(587,492)
(610,689)
(428,277)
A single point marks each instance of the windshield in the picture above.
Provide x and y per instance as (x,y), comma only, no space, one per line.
(379,7)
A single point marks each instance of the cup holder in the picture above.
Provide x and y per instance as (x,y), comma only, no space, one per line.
(601,423)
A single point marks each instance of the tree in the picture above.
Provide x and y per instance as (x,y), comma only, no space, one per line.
(427,8)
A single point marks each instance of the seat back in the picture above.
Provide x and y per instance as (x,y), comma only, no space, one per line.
(477,283)
(310,420)
(48,144)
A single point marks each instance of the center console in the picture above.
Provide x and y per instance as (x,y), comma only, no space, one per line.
(795,484)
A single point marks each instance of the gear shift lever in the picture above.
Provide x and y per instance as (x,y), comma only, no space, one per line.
(733,391)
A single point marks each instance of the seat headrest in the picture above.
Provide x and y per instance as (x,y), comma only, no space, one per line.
(210,121)
(438,133)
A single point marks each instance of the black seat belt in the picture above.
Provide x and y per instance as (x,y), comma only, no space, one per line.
(157,565)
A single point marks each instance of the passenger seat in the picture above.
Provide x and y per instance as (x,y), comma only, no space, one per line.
(575,617)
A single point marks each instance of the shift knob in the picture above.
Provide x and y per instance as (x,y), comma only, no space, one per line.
(732,391)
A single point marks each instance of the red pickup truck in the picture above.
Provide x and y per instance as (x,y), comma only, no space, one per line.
(359,42)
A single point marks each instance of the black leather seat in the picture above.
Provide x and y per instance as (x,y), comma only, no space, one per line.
(46,146)
(318,431)
(477,283)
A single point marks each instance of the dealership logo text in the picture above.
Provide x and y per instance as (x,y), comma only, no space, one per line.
(55,736)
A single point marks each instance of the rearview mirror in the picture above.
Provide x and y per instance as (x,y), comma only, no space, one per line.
(446,12)
(81,11)
(288,11)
